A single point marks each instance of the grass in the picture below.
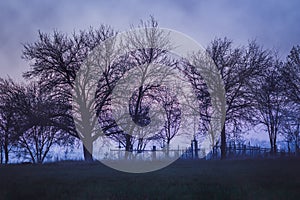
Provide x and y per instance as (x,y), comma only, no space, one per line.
(184,179)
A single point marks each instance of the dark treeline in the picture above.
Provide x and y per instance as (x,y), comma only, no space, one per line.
(260,88)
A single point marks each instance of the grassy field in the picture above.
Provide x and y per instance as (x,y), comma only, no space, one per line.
(229,179)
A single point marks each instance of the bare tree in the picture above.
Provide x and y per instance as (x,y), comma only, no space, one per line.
(239,68)
(9,126)
(200,88)
(291,75)
(172,111)
(38,140)
(270,101)
(148,46)
(44,120)
(291,87)
(55,60)
(143,48)
(291,129)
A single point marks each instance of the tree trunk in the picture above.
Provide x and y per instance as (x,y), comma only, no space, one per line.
(128,143)
(6,149)
(273,146)
(168,149)
(296,148)
(223,143)
(128,147)
(88,150)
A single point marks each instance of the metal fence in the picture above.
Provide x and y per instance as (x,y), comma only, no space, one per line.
(233,151)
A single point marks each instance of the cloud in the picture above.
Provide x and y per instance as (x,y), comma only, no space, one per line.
(273,23)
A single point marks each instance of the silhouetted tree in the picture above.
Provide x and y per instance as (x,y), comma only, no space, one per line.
(291,87)
(291,75)
(9,120)
(44,122)
(239,68)
(291,128)
(55,60)
(270,101)
(172,110)
(143,48)
(200,88)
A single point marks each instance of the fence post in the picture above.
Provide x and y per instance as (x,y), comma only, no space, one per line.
(195,142)
(234,149)
(154,153)
(244,150)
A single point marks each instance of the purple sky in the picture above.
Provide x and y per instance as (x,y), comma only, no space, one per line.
(275,24)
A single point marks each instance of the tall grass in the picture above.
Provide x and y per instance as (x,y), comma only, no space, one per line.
(184,179)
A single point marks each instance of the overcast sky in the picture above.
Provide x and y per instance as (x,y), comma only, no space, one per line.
(275,24)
